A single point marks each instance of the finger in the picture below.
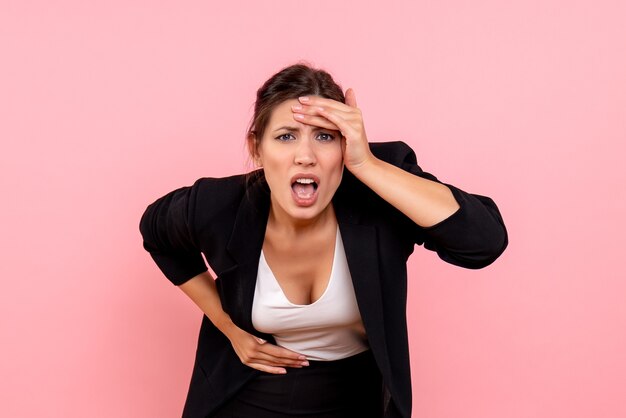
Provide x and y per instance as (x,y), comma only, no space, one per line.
(351,98)
(349,114)
(260,357)
(273,355)
(268,369)
(276,360)
(283,354)
(344,126)
(322,101)
(319,121)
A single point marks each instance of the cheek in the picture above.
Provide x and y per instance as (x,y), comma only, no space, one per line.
(275,171)
(335,163)
(272,173)
(338,160)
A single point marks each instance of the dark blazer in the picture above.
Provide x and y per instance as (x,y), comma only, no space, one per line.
(225,218)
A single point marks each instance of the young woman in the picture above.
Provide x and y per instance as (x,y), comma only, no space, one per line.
(307,314)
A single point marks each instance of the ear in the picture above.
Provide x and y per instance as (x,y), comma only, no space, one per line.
(253,149)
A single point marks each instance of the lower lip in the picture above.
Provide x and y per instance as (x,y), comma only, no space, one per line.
(304,202)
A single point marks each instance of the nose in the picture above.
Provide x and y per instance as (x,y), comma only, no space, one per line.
(305,155)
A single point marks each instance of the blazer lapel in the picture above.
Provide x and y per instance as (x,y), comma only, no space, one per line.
(361,246)
(245,244)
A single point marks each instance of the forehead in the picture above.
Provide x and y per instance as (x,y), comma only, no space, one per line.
(282,112)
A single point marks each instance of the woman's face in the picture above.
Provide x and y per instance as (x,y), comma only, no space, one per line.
(303,164)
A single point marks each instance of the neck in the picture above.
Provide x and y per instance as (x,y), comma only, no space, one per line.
(280,221)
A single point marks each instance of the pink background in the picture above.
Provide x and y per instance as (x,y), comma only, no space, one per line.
(105,106)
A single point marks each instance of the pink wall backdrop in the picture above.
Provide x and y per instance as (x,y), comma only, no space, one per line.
(105,106)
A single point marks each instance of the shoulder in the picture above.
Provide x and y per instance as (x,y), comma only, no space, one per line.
(394,152)
(354,194)
(217,192)
(215,202)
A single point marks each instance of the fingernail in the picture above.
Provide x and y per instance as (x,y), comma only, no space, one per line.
(296,107)
(303,99)
(298,115)
(305,363)
(301,357)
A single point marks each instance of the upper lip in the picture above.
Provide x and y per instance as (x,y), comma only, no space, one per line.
(305,176)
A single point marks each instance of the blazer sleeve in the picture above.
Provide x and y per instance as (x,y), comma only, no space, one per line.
(472,237)
(167,227)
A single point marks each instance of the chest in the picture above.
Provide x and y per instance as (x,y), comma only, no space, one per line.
(301,268)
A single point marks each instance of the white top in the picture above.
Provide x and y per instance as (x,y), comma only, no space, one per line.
(328,329)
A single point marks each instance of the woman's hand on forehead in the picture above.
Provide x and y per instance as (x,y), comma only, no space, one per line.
(343,117)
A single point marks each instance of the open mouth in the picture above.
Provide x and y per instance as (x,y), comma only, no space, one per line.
(304,189)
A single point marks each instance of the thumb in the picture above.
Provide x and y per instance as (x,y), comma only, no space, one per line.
(350,97)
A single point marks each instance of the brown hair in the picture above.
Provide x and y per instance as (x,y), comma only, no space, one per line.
(289,83)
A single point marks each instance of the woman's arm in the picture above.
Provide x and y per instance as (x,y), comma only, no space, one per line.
(167,227)
(424,201)
(465,229)
(252,351)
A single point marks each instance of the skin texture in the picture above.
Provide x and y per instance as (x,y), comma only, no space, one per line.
(297,234)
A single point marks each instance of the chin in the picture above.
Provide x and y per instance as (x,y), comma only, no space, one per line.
(305,213)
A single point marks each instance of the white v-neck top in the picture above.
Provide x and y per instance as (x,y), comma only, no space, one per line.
(328,329)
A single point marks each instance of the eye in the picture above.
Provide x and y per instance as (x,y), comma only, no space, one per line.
(284,137)
(325,137)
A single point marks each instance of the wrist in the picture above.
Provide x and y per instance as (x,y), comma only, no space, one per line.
(226,326)
(362,169)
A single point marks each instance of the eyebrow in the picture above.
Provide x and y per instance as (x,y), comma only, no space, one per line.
(287,128)
(297,129)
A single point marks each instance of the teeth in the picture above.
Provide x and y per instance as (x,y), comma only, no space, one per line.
(304,181)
